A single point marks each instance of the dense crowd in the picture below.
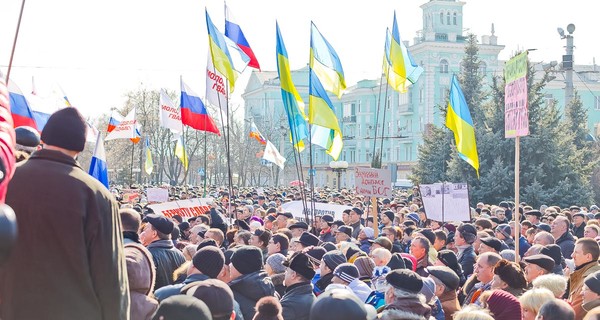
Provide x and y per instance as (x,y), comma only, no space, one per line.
(80,254)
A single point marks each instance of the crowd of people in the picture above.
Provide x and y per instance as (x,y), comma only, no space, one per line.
(81,254)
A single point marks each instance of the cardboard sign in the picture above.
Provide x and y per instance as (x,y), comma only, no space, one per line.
(184,208)
(373,182)
(297,210)
(446,201)
(157,195)
(130,195)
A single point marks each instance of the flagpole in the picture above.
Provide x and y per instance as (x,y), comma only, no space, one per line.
(516,211)
(131,167)
(12,52)
(377,118)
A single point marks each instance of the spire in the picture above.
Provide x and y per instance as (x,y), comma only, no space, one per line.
(493,31)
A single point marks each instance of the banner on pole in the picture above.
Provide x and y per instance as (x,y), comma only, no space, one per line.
(297,209)
(157,195)
(373,182)
(516,114)
(184,208)
(446,201)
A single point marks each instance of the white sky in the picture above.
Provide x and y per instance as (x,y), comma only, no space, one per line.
(99,50)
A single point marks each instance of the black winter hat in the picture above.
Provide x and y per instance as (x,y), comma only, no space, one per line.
(396,262)
(541,260)
(66,129)
(593,282)
(209,260)
(553,251)
(308,239)
(446,276)
(347,272)
(160,222)
(389,215)
(345,229)
(181,307)
(493,243)
(299,224)
(27,138)
(406,280)
(333,259)
(338,304)
(247,259)
(468,232)
(299,262)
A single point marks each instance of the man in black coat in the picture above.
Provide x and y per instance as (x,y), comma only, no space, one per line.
(156,236)
(298,296)
(68,262)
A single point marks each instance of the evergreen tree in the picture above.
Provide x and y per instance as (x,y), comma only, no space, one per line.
(434,154)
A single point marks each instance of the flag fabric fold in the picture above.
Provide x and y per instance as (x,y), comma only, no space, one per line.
(194,113)
(115,119)
(98,166)
(234,32)
(458,119)
(272,155)
(170,115)
(254,133)
(326,74)
(19,107)
(149,164)
(216,92)
(219,53)
(180,152)
(294,106)
(325,63)
(399,66)
(125,129)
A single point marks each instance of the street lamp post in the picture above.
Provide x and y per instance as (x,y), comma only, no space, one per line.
(338,167)
(568,62)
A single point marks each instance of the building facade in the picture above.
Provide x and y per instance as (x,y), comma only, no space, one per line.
(403,118)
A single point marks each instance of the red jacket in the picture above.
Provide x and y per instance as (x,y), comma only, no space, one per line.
(7,141)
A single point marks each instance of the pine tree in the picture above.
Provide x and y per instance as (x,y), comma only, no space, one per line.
(434,155)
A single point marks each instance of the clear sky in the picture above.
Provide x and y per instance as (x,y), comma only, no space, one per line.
(99,50)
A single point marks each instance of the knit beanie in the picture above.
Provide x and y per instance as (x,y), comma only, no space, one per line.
(275,261)
(66,129)
(247,259)
(504,306)
(27,139)
(365,266)
(347,272)
(333,259)
(209,260)
(268,308)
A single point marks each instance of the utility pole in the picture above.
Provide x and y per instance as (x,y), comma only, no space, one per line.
(568,62)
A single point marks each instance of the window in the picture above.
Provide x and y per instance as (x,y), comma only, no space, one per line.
(442,17)
(349,109)
(448,18)
(597,104)
(389,102)
(408,125)
(454,19)
(421,95)
(407,152)
(444,66)
(482,68)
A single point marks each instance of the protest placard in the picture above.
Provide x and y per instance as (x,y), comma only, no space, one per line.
(296,208)
(184,208)
(373,182)
(446,201)
(157,195)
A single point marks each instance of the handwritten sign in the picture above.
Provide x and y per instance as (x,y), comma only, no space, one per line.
(184,208)
(373,182)
(157,195)
(130,195)
(516,114)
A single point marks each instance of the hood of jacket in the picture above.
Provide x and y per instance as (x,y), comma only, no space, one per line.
(166,244)
(140,268)
(253,286)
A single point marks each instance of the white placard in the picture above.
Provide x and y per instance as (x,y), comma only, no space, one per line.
(296,209)
(446,201)
(157,195)
(373,182)
(184,208)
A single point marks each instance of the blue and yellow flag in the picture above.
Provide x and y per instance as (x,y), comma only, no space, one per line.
(325,63)
(399,66)
(326,74)
(149,165)
(294,106)
(220,53)
(180,152)
(458,119)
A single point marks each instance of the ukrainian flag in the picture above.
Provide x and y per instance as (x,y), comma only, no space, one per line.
(180,152)
(219,53)
(326,74)
(325,63)
(399,65)
(294,106)
(458,119)
(149,165)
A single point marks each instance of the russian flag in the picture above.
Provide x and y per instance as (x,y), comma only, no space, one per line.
(234,32)
(19,107)
(113,122)
(193,111)
(98,167)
